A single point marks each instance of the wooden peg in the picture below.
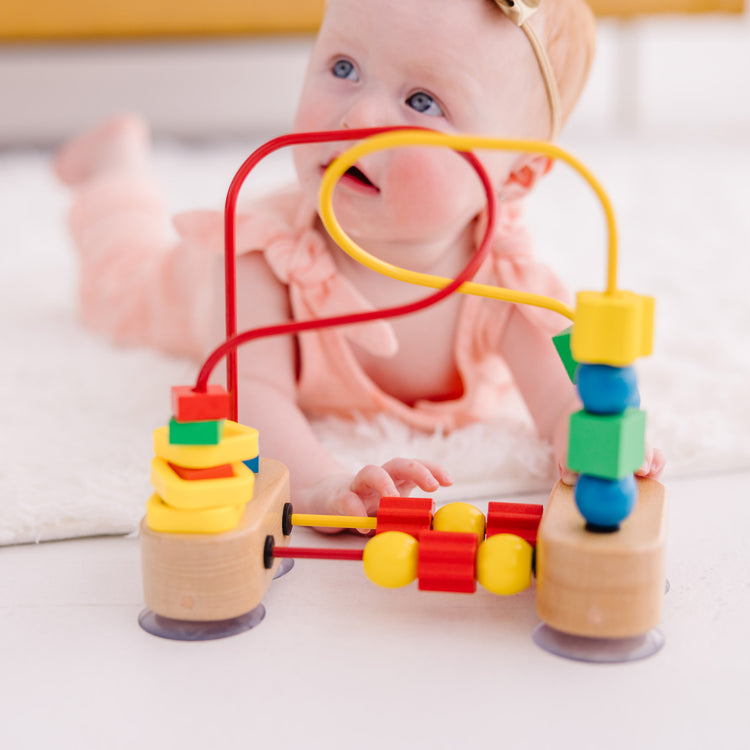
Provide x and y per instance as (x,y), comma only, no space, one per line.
(208,577)
(602,585)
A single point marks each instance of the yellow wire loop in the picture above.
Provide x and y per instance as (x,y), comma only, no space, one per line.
(402,138)
(334,522)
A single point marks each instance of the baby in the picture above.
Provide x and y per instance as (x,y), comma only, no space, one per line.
(490,67)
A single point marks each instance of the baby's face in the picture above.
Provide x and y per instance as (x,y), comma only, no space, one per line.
(450,65)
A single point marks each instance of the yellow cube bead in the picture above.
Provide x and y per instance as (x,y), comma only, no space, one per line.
(612,328)
(460,517)
(390,559)
(504,564)
(239,443)
(191,494)
(161,517)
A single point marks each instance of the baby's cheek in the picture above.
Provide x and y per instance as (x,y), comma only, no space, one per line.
(434,188)
(310,114)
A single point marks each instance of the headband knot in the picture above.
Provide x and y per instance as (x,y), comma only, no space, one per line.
(519,11)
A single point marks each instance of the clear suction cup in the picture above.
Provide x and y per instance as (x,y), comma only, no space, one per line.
(286,564)
(597,650)
(192,630)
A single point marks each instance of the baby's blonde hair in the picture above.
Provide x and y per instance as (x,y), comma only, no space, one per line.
(567,30)
(569,36)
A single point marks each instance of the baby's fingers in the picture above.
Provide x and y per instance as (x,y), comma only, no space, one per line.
(566,475)
(653,465)
(410,473)
(370,484)
(350,504)
(347,503)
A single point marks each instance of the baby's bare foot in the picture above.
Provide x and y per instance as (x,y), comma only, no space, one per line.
(120,143)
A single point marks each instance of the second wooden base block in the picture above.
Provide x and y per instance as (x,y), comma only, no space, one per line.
(209,577)
(602,585)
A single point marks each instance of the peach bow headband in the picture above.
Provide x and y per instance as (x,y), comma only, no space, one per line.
(519,12)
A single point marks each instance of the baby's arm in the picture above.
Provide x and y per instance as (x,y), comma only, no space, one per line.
(549,395)
(267,391)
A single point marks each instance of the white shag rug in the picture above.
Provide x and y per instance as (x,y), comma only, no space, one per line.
(77,414)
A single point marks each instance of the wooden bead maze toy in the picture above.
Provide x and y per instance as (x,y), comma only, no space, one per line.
(220,521)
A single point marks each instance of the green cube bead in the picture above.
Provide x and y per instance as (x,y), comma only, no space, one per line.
(610,446)
(562,344)
(209,432)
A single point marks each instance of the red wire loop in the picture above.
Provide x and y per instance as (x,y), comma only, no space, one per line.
(235,340)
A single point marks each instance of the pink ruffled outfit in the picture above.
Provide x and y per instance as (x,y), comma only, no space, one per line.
(138,287)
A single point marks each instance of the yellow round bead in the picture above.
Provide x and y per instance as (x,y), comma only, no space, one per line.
(460,517)
(390,559)
(504,564)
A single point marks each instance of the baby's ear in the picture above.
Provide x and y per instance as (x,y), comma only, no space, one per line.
(524,174)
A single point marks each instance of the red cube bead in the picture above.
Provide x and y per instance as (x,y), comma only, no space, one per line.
(193,406)
(411,515)
(520,519)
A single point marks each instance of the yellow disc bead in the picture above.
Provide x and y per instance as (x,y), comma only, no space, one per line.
(504,564)
(390,559)
(460,517)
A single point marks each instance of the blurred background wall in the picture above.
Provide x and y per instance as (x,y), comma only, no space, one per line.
(232,68)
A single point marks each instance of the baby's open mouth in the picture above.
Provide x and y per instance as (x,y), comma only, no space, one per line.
(355,177)
(359,175)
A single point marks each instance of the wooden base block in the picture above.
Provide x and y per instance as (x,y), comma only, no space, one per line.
(208,577)
(602,585)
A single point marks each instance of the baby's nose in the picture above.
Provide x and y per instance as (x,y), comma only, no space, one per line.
(367,112)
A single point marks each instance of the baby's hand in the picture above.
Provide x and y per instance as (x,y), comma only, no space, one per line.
(345,495)
(652,466)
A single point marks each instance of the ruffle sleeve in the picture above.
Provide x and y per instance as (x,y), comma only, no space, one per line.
(282,227)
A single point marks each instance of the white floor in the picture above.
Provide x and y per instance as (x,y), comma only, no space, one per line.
(339,662)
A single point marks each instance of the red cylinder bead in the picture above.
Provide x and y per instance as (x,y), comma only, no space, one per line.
(447,561)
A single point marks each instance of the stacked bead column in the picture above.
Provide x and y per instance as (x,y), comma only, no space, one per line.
(204,466)
(606,443)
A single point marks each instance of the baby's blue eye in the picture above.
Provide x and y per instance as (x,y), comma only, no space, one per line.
(424,104)
(345,69)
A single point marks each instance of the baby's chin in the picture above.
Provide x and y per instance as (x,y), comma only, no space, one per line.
(310,188)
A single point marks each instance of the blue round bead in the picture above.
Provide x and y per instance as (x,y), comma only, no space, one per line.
(604,503)
(607,390)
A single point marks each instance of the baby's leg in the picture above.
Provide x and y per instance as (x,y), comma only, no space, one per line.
(137,286)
